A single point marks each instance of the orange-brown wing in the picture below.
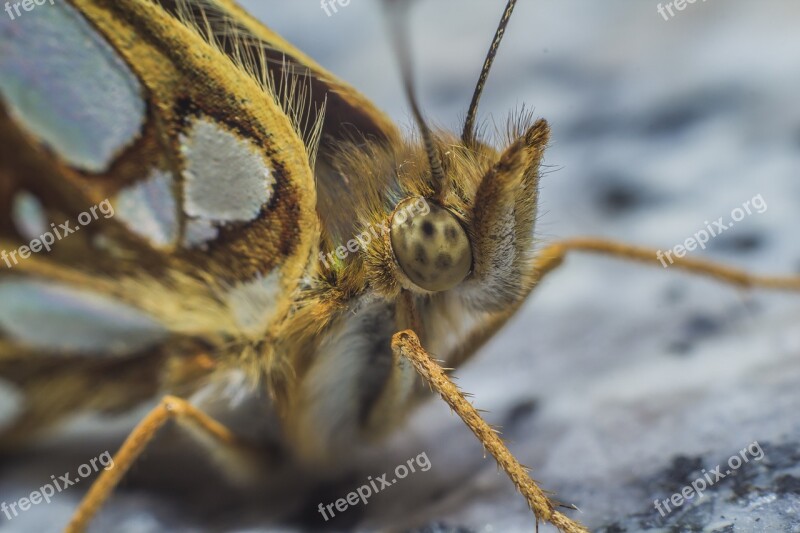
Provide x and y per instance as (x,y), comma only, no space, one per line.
(303,89)
(155,201)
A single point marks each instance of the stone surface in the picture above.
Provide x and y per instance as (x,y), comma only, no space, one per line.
(617,384)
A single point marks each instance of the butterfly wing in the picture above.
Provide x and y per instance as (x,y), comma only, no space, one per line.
(303,88)
(155,201)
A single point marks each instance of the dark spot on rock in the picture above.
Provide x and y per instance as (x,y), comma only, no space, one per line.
(673,119)
(738,242)
(787,484)
(701,326)
(444,260)
(675,294)
(519,413)
(428,229)
(683,469)
(782,456)
(619,198)
(686,111)
(695,329)
(451,233)
(418,276)
(618,195)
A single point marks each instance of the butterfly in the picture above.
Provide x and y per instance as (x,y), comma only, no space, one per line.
(219,209)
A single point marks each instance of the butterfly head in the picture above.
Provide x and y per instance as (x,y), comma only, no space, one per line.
(470,230)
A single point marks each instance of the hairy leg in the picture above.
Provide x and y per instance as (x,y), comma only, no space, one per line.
(550,257)
(170,408)
(406,344)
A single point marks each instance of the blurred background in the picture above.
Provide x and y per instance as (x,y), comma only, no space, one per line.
(618,384)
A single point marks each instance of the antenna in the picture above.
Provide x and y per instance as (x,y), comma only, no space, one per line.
(397,18)
(468,136)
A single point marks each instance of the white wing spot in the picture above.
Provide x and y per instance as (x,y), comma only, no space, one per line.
(29,216)
(11,403)
(198,233)
(67,86)
(254,303)
(64,319)
(149,209)
(226,177)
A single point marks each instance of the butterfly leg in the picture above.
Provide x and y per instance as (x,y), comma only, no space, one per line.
(170,408)
(406,344)
(553,255)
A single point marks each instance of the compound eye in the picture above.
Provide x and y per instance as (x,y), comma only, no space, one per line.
(430,245)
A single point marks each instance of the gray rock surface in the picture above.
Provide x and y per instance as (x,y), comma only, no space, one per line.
(618,384)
